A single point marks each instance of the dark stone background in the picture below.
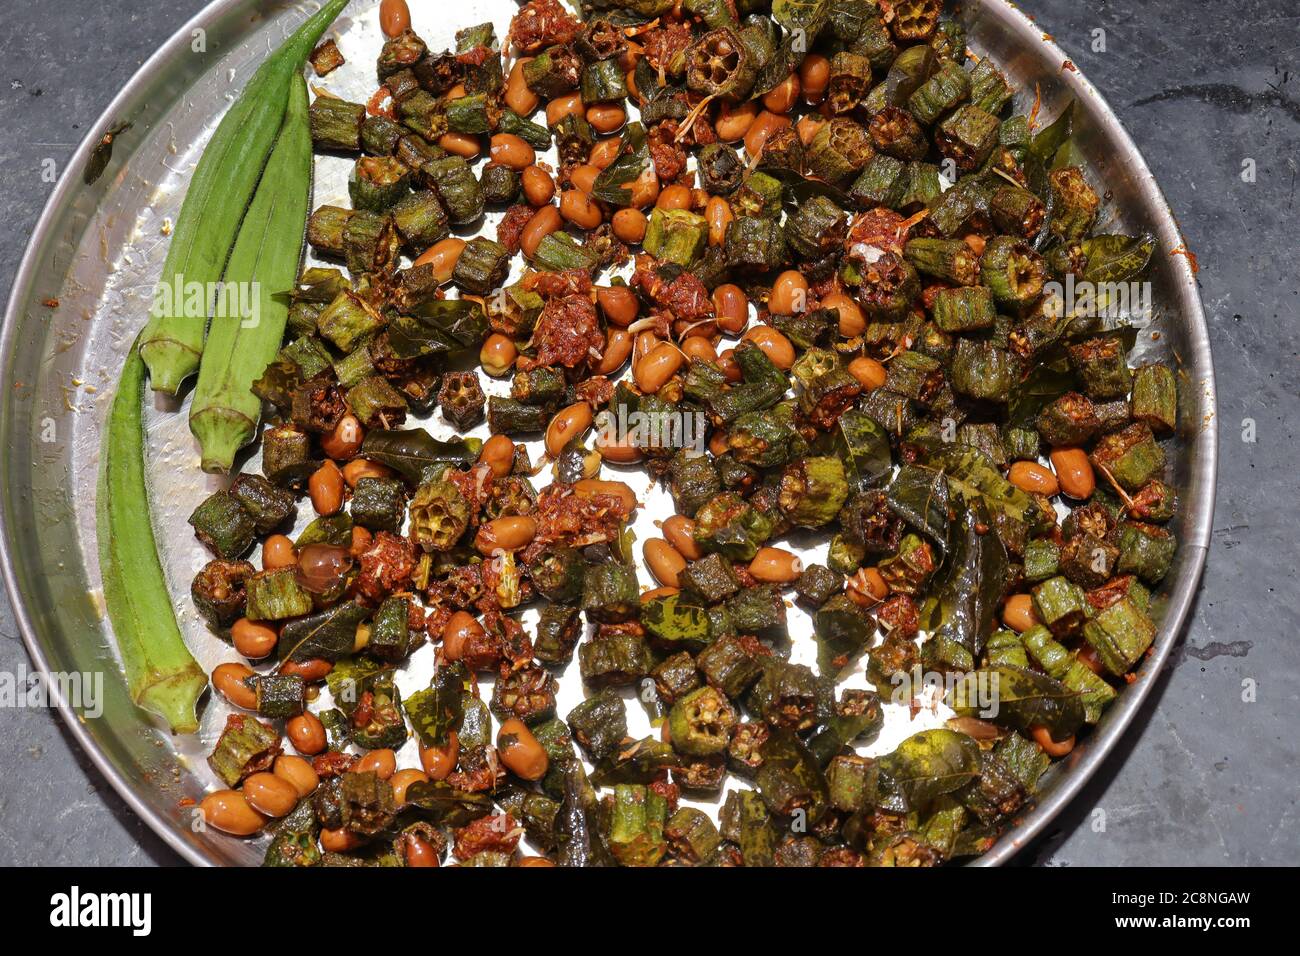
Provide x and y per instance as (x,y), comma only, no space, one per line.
(1201,777)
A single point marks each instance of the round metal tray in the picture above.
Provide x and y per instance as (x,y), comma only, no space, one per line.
(83,289)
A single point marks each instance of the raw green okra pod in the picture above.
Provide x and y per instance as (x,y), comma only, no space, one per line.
(219,192)
(224,414)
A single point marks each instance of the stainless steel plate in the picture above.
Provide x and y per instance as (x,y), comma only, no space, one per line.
(83,290)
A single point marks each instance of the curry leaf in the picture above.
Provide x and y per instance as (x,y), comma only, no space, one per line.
(923,767)
(614,184)
(972,476)
(864,447)
(410,451)
(437,327)
(443,804)
(1020,698)
(920,497)
(1116,258)
(802,18)
(328,634)
(1049,140)
(278,382)
(962,609)
(790,779)
(439,709)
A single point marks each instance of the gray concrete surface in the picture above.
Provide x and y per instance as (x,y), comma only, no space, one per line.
(1203,777)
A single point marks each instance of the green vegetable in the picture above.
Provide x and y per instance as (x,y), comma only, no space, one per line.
(276,595)
(223,525)
(219,192)
(161,676)
(268,247)
(246,746)
(701,723)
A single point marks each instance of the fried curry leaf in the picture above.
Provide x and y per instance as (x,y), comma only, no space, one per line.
(439,709)
(920,497)
(349,674)
(803,18)
(577,829)
(437,327)
(1036,391)
(444,805)
(1020,698)
(962,609)
(864,448)
(1116,258)
(278,382)
(923,767)
(1049,140)
(614,184)
(972,476)
(410,451)
(638,761)
(328,634)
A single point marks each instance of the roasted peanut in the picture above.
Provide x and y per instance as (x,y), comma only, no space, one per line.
(278,552)
(1032,477)
(229,812)
(852,321)
(439,762)
(510,151)
(870,374)
(518,96)
(589,487)
(735,121)
(732,307)
(521,751)
(394,17)
(297,772)
(782,97)
(461,144)
(505,534)
(629,225)
(657,367)
(578,208)
(325,486)
(774,345)
(229,681)
(381,762)
(544,222)
(718,214)
(789,294)
(569,423)
(814,77)
(1018,613)
(253,639)
(403,779)
(606,117)
(1074,473)
(679,531)
(306,733)
(619,304)
(442,256)
(497,355)
(498,453)
(776,566)
(663,561)
(270,795)
(538,186)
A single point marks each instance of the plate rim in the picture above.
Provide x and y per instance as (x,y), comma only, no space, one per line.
(1203,469)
